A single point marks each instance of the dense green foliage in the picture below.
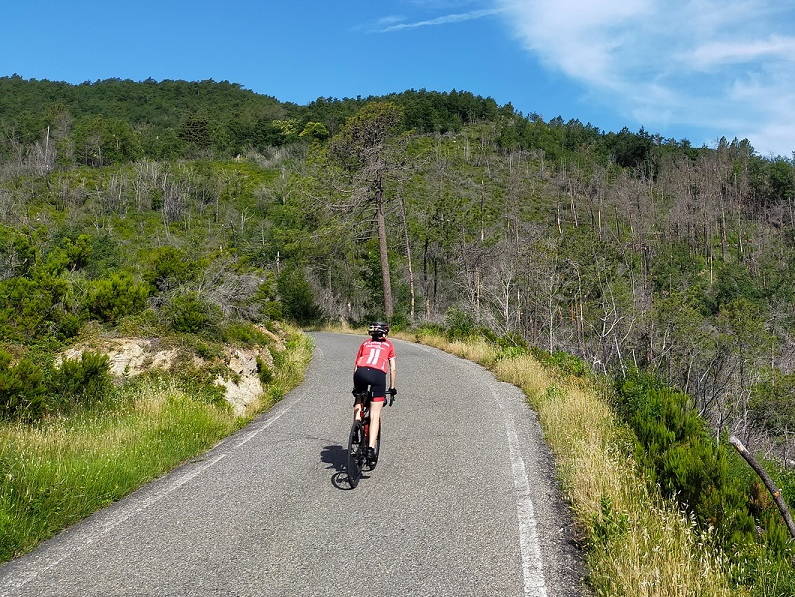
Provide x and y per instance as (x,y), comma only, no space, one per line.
(83,266)
(624,248)
(681,457)
(30,390)
(189,313)
(118,120)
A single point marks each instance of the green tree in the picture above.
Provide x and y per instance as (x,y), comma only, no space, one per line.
(361,147)
(296,295)
(195,131)
(316,131)
(100,141)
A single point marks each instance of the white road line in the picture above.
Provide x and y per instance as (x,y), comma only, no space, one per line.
(532,564)
(270,422)
(16,582)
(105,527)
(529,547)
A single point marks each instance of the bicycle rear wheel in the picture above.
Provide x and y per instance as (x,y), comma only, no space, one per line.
(356,453)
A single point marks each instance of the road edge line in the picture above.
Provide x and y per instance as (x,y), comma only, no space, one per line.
(532,562)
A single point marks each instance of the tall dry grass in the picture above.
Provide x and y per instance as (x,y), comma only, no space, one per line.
(638,545)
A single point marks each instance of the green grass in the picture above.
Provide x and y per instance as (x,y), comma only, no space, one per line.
(61,470)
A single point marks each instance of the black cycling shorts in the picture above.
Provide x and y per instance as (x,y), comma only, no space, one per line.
(367,377)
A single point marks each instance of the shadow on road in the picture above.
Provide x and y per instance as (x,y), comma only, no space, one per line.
(340,481)
(336,457)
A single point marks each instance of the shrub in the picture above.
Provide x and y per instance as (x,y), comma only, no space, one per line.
(539,354)
(399,322)
(266,299)
(510,352)
(191,313)
(429,329)
(21,389)
(264,372)
(244,333)
(169,267)
(17,251)
(460,324)
(680,455)
(512,339)
(562,361)
(208,351)
(109,299)
(568,363)
(32,308)
(105,255)
(77,251)
(69,325)
(80,382)
(53,264)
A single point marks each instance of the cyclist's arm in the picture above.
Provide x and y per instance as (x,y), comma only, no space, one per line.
(356,358)
(392,372)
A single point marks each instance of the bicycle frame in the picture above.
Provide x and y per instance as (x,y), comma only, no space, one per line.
(357,444)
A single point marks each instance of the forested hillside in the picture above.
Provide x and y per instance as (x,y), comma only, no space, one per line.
(624,248)
(129,205)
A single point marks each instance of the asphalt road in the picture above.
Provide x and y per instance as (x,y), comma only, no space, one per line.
(463,502)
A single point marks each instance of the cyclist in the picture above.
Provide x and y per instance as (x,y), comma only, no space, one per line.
(370,369)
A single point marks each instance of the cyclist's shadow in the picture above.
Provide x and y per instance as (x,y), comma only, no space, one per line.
(337,457)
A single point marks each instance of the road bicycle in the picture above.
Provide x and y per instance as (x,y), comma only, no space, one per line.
(359,440)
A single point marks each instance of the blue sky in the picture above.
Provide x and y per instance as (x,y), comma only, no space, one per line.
(697,69)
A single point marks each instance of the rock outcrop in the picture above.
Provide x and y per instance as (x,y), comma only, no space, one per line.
(241,382)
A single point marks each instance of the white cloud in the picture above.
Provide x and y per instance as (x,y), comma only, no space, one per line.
(389,20)
(443,20)
(438,5)
(720,53)
(726,65)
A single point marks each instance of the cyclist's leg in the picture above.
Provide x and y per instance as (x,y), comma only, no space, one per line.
(375,420)
(361,383)
(377,403)
(357,409)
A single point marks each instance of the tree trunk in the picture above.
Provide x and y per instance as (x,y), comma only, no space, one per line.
(382,246)
(408,256)
(771,487)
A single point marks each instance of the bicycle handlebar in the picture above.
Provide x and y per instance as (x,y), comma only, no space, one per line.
(391,392)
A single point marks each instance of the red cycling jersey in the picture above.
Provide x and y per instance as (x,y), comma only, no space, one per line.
(375,354)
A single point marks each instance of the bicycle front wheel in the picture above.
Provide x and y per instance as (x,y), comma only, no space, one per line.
(356,453)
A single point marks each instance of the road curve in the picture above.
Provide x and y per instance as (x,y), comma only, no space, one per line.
(463,502)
